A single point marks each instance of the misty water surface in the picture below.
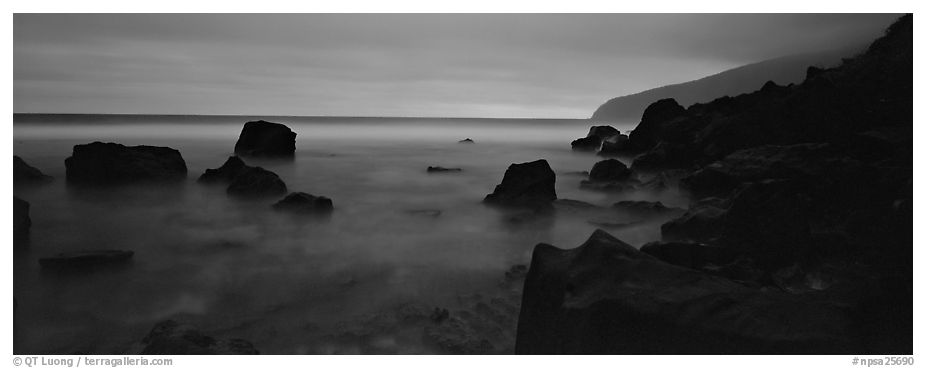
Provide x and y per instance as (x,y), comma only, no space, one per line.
(239,269)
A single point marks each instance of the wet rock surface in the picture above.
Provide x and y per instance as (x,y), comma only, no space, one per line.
(111,163)
(265,139)
(608,297)
(174,338)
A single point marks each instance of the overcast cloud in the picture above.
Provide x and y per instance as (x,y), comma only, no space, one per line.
(554,66)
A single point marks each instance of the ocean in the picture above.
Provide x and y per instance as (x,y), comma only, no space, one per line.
(365,280)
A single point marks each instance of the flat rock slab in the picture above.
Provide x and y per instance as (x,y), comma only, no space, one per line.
(112,163)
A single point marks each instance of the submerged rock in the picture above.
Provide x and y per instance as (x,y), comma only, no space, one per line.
(173,338)
(467,140)
(23,174)
(86,259)
(112,163)
(305,203)
(21,222)
(265,139)
(438,169)
(425,213)
(256,182)
(607,297)
(525,184)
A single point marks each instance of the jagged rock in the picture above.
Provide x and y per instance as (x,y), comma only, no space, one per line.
(266,139)
(467,140)
(173,338)
(526,184)
(232,167)
(86,259)
(655,118)
(618,145)
(305,203)
(23,174)
(112,163)
(438,169)
(21,222)
(586,144)
(702,223)
(256,182)
(607,297)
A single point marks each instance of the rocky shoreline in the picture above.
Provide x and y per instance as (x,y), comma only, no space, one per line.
(797,238)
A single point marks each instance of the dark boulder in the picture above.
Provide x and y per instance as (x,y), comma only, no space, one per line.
(232,167)
(256,182)
(607,297)
(603,132)
(439,169)
(23,174)
(265,139)
(173,338)
(586,144)
(111,163)
(21,222)
(525,184)
(305,203)
(467,140)
(609,170)
(86,259)
(653,123)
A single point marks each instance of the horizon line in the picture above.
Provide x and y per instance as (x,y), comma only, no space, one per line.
(306,116)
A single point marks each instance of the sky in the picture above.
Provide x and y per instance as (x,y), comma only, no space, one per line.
(435,65)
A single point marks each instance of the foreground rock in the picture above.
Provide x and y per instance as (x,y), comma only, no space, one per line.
(607,297)
(244,180)
(86,259)
(111,163)
(304,203)
(265,139)
(173,338)
(21,222)
(23,174)
(529,184)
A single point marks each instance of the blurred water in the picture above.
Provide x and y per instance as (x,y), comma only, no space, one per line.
(285,283)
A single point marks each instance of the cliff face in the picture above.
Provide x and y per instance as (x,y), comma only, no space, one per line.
(783,70)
